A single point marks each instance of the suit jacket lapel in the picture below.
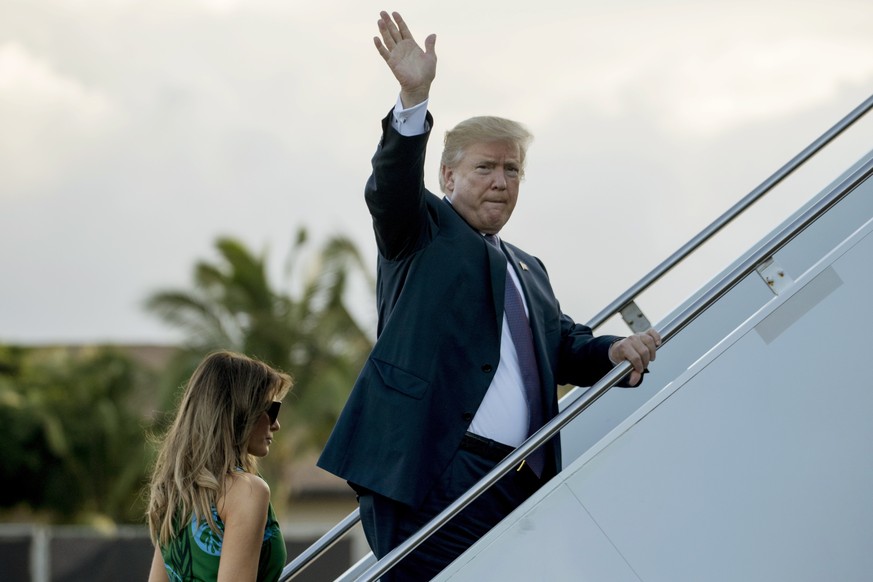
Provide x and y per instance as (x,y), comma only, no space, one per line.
(497,268)
(497,271)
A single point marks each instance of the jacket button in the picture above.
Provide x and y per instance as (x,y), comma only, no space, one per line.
(468,416)
(487,368)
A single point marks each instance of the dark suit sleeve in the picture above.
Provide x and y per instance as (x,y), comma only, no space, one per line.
(583,358)
(580,345)
(395,193)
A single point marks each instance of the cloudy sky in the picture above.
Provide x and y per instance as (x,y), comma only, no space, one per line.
(135,132)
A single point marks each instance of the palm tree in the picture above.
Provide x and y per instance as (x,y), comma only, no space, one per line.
(311,335)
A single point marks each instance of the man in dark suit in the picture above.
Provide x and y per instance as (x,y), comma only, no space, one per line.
(454,381)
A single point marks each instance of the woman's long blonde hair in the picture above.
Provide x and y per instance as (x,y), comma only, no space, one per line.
(208,439)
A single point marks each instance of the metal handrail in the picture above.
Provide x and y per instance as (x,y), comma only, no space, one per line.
(320,546)
(713,294)
(635,290)
(323,543)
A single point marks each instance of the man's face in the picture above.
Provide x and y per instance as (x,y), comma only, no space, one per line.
(483,187)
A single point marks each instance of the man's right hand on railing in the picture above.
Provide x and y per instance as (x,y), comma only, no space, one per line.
(638,349)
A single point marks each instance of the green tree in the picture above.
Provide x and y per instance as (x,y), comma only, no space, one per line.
(71,433)
(309,333)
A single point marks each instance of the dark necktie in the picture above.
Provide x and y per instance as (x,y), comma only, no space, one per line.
(522,338)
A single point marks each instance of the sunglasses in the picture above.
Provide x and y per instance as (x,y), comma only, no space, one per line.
(273,411)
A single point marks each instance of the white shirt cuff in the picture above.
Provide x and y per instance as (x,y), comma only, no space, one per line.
(411,121)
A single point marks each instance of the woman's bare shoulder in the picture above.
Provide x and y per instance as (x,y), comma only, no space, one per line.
(244,492)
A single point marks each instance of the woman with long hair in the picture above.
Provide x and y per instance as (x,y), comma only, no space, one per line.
(209,512)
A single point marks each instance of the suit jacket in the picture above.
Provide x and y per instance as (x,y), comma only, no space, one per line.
(440,292)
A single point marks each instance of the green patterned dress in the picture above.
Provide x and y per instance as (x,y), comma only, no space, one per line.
(193,554)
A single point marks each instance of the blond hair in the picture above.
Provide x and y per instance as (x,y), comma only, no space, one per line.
(482,129)
(208,439)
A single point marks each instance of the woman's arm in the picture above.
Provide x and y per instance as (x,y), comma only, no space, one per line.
(158,573)
(244,513)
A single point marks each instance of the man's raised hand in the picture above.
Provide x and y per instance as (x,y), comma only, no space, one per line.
(414,69)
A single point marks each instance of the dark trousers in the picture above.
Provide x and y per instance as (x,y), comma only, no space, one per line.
(387,523)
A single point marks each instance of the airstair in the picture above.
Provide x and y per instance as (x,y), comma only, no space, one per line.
(747,454)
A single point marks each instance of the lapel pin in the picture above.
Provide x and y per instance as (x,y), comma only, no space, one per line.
(522,265)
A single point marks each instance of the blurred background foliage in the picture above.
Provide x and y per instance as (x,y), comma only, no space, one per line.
(71,432)
(76,423)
